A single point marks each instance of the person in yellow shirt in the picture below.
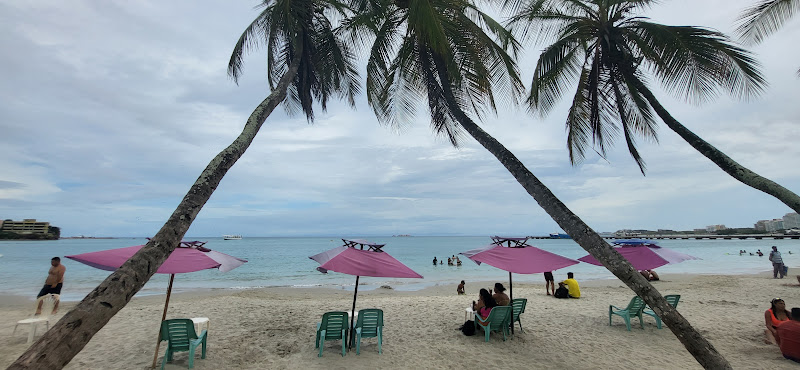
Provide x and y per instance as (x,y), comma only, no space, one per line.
(572,285)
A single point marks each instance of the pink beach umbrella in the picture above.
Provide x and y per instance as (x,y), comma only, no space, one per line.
(518,257)
(190,256)
(353,259)
(643,254)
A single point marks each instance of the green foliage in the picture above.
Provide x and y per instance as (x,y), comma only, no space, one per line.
(611,52)
(327,63)
(447,52)
(7,235)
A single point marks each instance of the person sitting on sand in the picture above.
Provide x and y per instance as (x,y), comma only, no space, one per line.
(500,296)
(460,289)
(572,286)
(773,317)
(789,337)
(485,303)
(649,275)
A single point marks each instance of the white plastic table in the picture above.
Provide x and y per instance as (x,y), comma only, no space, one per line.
(199,322)
(469,314)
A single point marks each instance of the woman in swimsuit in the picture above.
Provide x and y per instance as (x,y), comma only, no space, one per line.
(485,303)
(773,317)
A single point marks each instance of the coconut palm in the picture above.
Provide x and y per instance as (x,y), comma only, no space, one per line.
(612,53)
(307,62)
(765,18)
(442,50)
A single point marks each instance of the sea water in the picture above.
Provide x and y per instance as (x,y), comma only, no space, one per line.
(284,262)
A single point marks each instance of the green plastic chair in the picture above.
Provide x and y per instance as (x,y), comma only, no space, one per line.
(181,337)
(369,325)
(672,299)
(518,307)
(634,308)
(498,320)
(334,325)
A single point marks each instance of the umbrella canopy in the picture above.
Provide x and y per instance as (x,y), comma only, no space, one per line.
(524,259)
(358,262)
(352,259)
(643,254)
(188,257)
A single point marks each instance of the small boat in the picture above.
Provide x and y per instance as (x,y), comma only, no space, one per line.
(232,237)
(559,236)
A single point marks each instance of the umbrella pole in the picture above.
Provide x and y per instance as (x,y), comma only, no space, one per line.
(353,314)
(163,317)
(511,297)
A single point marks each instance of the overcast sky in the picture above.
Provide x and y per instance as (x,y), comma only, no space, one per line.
(109,110)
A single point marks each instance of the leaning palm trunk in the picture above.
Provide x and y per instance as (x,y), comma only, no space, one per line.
(737,171)
(702,350)
(69,335)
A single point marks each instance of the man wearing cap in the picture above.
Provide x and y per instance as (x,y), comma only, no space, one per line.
(788,337)
(777,262)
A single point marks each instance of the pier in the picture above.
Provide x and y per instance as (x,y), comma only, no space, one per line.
(695,236)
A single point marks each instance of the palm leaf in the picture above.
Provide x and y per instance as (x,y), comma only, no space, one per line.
(764,18)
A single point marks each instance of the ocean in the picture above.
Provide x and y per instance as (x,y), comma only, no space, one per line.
(284,262)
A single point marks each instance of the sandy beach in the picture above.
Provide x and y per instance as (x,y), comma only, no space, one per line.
(275,328)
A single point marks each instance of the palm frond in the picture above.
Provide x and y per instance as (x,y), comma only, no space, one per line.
(764,18)
(695,63)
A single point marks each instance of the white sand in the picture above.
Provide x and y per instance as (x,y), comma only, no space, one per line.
(275,328)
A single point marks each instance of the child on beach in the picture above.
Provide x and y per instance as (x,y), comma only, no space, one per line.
(460,289)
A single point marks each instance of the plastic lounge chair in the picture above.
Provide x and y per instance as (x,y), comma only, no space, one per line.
(672,299)
(48,302)
(518,307)
(369,325)
(181,337)
(498,320)
(634,308)
(334,325)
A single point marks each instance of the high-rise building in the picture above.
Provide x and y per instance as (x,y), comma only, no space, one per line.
(791,221)
(26,226)
(775,225)
(761,225)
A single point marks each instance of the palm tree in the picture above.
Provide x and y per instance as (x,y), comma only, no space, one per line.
(442,50)
(306,61)
(607,49)
(764,18)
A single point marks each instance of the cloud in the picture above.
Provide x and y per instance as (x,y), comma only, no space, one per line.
(112,109)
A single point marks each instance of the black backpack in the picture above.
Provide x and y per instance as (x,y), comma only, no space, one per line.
(561,292)
(468,328)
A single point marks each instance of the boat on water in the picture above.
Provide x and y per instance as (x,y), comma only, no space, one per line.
(232,237)
(559,236)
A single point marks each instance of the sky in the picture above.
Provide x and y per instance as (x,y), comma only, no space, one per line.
(109,110)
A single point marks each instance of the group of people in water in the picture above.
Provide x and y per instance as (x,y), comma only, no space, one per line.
(783,328)
(451,261)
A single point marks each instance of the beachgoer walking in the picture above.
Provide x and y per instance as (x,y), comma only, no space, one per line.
(789,336)
(460,289)
(549,283)
(53,283)
(777,262)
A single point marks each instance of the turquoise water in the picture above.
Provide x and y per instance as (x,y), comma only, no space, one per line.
(283,262)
